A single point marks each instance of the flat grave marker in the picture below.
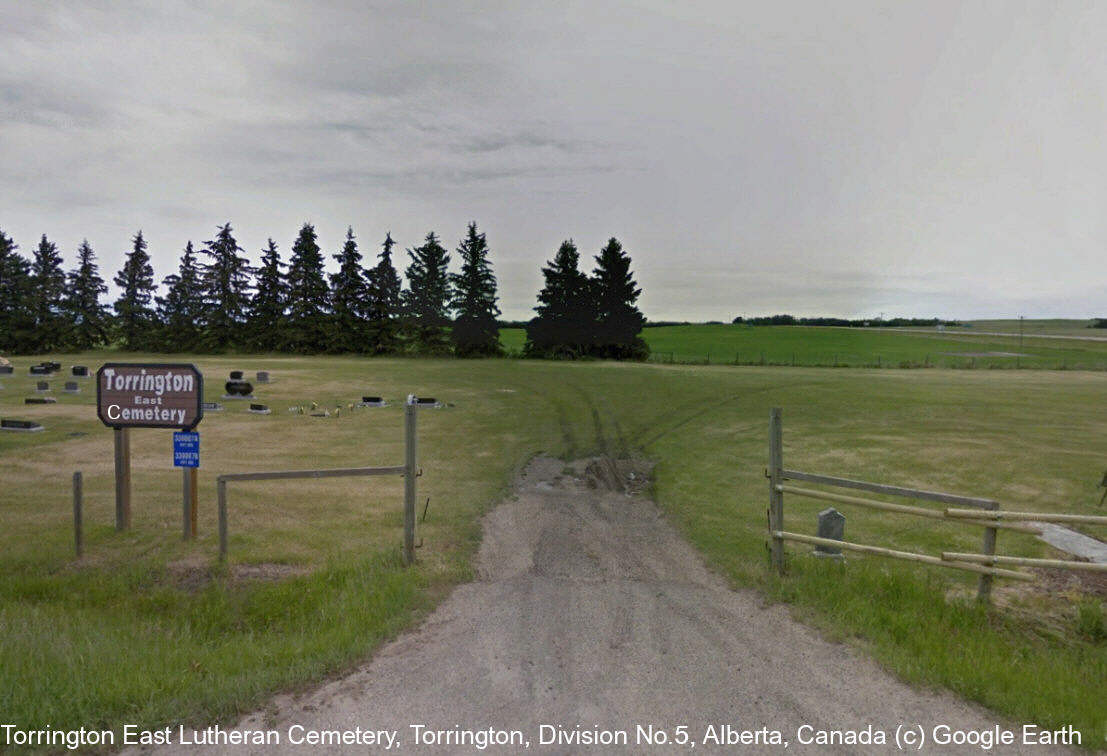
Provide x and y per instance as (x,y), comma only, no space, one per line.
(40,400)
(72,387)
(263,376)
(372,401)
(211,406)
(259,409)
(20,426)
(42,387)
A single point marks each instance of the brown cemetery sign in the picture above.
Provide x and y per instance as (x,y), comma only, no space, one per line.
(130,395)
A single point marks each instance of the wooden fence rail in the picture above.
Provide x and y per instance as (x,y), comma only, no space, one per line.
(1004,514)
(909,556)
(1063,564)
(934,514)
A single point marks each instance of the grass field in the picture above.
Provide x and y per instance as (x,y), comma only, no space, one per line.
(859,347)
(145,629)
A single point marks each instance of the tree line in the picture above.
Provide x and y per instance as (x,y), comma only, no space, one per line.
(216,301)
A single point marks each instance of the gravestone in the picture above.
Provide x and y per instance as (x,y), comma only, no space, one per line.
(53,366)
(40,400)
(259,409)
(211,406)
(236,375)
(79,371)
(23,426)
(42,387)
(371,401)
(238,390)
(6,369)
(40,370)
(72,387)
(832,524)
(263,376)
(427,402)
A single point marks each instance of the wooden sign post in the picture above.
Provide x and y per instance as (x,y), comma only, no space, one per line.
(144,395)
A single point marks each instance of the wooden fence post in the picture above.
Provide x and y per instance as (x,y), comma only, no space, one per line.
(776,496)
(984,588)
(409,480)
(122,478)
(221,486)
(78,516)
(186,506)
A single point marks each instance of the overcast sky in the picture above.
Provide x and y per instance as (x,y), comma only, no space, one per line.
(824,158)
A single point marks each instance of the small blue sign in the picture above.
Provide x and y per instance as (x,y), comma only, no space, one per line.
(186,449)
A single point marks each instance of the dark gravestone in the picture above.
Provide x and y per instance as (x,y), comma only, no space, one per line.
(371,399)
(236,375)
(72,387)
(26,426)
(259,409)
(263,376)
(80,371)
(211,406)
(40,370)
(42,387)
(54,366)
(832,524)
(238,390)
(40,400)
(6,369)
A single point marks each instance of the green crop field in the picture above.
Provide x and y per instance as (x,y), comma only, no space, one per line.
(148,630)
(858,347)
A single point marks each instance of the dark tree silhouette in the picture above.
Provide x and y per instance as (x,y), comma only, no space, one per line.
(266,319)
(134,316)
(88,319)
(566,312)
(181,310)
(226,284)
(426,301)
(619,322)
(308,295)
(383,302)
(47,294)
(349,292)
(16,320)
(475,332)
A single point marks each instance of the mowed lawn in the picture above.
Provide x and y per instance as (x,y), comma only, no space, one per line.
(859,347)
(147,630)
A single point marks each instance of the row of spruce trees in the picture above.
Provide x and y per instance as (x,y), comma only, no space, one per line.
(216,301)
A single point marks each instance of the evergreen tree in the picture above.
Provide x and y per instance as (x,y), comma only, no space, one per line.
(426,301)
(566,317)
(16,314)
(181,310)
(308,295)
(226,286)
(348,298)
(88,319)
(619,322)
(134,317)
(383,301)
(475,332)
(47,294)
(270,303)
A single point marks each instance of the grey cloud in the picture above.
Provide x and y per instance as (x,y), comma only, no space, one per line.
(924,158)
